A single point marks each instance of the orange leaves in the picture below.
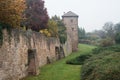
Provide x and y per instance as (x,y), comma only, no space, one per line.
(46,32)
(11,12)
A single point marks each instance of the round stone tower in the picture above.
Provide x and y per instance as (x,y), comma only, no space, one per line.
(70,20)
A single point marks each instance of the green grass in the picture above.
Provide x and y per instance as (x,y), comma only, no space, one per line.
(59,70)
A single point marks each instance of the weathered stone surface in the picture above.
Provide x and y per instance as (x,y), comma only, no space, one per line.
(70,20)
(14,53)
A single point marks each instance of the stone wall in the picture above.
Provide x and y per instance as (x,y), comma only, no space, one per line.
(14,53)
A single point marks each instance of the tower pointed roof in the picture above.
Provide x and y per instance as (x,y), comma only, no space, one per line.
(70,14)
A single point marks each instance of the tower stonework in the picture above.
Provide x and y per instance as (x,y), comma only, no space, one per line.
(70,20)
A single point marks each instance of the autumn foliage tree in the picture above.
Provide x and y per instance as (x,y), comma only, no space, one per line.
(11,12)
(60,31)
(53,28)
(36,15)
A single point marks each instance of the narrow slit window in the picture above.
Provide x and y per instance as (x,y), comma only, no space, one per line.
(71,20)
(72,29)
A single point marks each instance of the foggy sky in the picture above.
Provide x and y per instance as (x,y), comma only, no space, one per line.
(92,13)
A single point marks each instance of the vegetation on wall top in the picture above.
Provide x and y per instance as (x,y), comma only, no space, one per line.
(61,29)
(31,14)
(36,15)
(4,26)
(56,28)
(11,12)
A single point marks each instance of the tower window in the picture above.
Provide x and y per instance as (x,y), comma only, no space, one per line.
(72,29)
(71,20)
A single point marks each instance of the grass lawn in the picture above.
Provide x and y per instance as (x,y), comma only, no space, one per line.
(59,70)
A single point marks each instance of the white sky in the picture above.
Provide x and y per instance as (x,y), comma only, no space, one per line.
(92,13)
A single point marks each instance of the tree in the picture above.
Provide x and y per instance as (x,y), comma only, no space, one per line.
(53,28)
(55,18)
(60,28)
(117,38)
(81,33)
(62,32)
(100,33)
(11,12)
(117,28)
(56,28)
(36,15)
(117,33)
(109,29)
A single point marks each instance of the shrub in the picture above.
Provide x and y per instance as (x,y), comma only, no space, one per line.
(117,38)
(104,66)
(45,32)
(79,60)
(106,42)
(115,48)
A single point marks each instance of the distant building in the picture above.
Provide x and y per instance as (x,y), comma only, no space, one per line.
(70,20)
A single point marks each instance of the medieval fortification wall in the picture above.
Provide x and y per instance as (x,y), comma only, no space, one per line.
(24,51)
